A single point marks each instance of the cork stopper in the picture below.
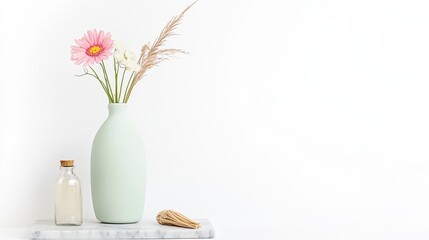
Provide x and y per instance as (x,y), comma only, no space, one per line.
(67,163)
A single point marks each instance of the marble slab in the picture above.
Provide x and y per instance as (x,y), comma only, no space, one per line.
(145,229)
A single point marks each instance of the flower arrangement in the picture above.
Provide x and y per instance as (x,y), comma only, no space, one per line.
(97,46)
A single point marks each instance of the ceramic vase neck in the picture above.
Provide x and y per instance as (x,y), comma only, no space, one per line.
(117,109)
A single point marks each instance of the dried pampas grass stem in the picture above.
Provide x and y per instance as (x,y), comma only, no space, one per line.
(173,218)
(152,55)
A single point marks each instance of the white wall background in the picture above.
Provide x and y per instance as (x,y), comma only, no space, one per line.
(300,119)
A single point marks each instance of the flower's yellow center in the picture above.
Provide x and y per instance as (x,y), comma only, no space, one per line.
(94,50)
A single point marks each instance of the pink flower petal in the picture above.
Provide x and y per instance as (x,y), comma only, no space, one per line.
(107,41)
(95,36)
(77,49)
(100,37)
(82,43)
(89,37)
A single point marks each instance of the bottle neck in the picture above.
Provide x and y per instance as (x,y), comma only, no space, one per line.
(66,170)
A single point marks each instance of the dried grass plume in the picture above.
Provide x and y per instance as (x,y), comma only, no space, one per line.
(152,55)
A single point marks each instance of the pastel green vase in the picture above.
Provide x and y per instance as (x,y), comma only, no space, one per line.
(118,169)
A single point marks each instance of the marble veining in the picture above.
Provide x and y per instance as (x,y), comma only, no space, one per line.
(145,229)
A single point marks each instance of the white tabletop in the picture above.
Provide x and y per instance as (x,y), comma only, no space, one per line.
(46,229)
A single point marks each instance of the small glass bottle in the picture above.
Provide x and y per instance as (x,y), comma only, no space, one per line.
(68,196)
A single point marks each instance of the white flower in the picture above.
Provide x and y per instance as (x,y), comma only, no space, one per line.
(126,58)
(119,56)
(129,55)
(132,66)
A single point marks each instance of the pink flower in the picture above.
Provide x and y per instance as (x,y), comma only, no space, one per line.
(93,47)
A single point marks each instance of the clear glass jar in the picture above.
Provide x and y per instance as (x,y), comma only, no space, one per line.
(68,196)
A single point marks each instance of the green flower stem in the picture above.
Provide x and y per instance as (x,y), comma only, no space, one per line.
(102,84)
(104,88)
(106,77)
(116,79)
(126,95)
(122,83)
